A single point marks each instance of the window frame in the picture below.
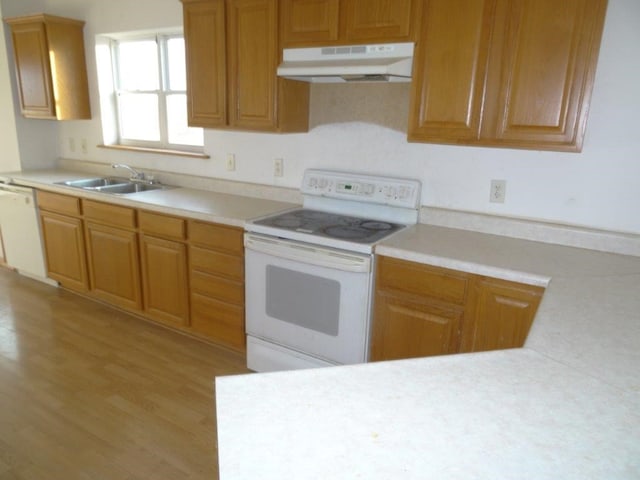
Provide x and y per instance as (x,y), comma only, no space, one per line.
(162,93)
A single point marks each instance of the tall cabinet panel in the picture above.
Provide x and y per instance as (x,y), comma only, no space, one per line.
(204,34)
(449,76)
(253,45)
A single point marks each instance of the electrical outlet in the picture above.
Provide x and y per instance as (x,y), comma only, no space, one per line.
(498,191)
(72,144)
(83,146)
(278,167)
(231,162)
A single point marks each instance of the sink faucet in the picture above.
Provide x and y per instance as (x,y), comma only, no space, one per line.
(135,175)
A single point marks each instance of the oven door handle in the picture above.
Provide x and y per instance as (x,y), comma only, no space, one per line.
(313,255)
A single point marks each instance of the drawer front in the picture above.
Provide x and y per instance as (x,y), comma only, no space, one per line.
(55,202)
(109,214)
(228,239)
(162,225)
(210,261)
(213,286)
(219,321)
(414,278)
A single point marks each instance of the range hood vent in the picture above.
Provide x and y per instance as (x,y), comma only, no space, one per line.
(389,62)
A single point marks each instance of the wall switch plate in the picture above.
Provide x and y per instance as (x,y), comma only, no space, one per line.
(498,191)
(231,162)
(83,146)
(278,167)
(72,144)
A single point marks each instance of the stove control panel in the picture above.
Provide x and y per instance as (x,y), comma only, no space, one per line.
(400,192)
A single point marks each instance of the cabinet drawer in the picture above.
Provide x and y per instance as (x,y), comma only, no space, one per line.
(219,321)
(228,239)
(109,214)
(55,202)
(210,261)
(217,287)
(162,225)
(439,283)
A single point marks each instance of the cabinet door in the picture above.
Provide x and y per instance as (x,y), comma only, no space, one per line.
(253,58)
(220,321)
(204,36)
(164,280)
(33,70)
(63,240)
(406,329)
(309,22)
(543,65)
(449,71)
(114,268)
(503,314)
(379,20)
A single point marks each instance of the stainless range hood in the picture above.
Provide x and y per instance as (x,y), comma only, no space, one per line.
(388,62)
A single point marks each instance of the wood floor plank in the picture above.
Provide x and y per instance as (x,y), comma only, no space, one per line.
(88,392)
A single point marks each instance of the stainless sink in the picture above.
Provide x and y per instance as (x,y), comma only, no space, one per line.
(94,182)
(112,185)
(130,187)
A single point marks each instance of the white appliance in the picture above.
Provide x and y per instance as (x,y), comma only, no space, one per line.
(387,62)
(21,231)
(309,271)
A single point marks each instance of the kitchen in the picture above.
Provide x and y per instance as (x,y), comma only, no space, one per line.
(551,187)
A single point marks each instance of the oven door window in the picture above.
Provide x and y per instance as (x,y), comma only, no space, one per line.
(302,299)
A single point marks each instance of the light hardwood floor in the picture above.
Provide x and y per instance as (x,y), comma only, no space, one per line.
(88,392)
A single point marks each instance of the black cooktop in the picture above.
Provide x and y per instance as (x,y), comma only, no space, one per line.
(331,225)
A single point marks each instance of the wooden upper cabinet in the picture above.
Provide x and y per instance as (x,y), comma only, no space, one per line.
(308,22)
(505,73)
(449,73)
(336,22)
(253,60)
(379,20)
(205,44)
(541,87)
(50,67)
(232,58)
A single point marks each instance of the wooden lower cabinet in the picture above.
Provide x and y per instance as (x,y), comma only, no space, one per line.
(63,240)
(421,310)
(406,328)
(504,313)
(165,280)
(216,276)
(114,266)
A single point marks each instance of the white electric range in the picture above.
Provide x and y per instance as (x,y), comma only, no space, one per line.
(309,271)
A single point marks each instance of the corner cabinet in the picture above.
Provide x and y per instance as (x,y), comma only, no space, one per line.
(232,55)
(500,73)
(334,22)
(422,310)
(50,67)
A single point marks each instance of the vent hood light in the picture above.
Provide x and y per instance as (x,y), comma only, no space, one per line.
(389,62)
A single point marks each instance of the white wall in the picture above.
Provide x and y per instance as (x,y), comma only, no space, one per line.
(599,187)
(9,152)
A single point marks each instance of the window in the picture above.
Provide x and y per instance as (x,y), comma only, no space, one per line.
(149,93)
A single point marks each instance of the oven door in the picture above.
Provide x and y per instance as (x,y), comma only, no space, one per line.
(314,300)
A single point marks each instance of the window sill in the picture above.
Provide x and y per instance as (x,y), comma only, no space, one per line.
(162,151)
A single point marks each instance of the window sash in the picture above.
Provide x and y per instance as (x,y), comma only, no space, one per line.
(161,95)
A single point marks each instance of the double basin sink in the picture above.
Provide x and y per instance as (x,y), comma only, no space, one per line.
(113,185)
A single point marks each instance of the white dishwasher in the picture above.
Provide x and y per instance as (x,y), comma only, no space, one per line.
(20,231)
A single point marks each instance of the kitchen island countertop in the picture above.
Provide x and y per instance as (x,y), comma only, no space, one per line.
(564,406)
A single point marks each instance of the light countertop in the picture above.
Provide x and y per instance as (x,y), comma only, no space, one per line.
(564,406)
(187,202)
